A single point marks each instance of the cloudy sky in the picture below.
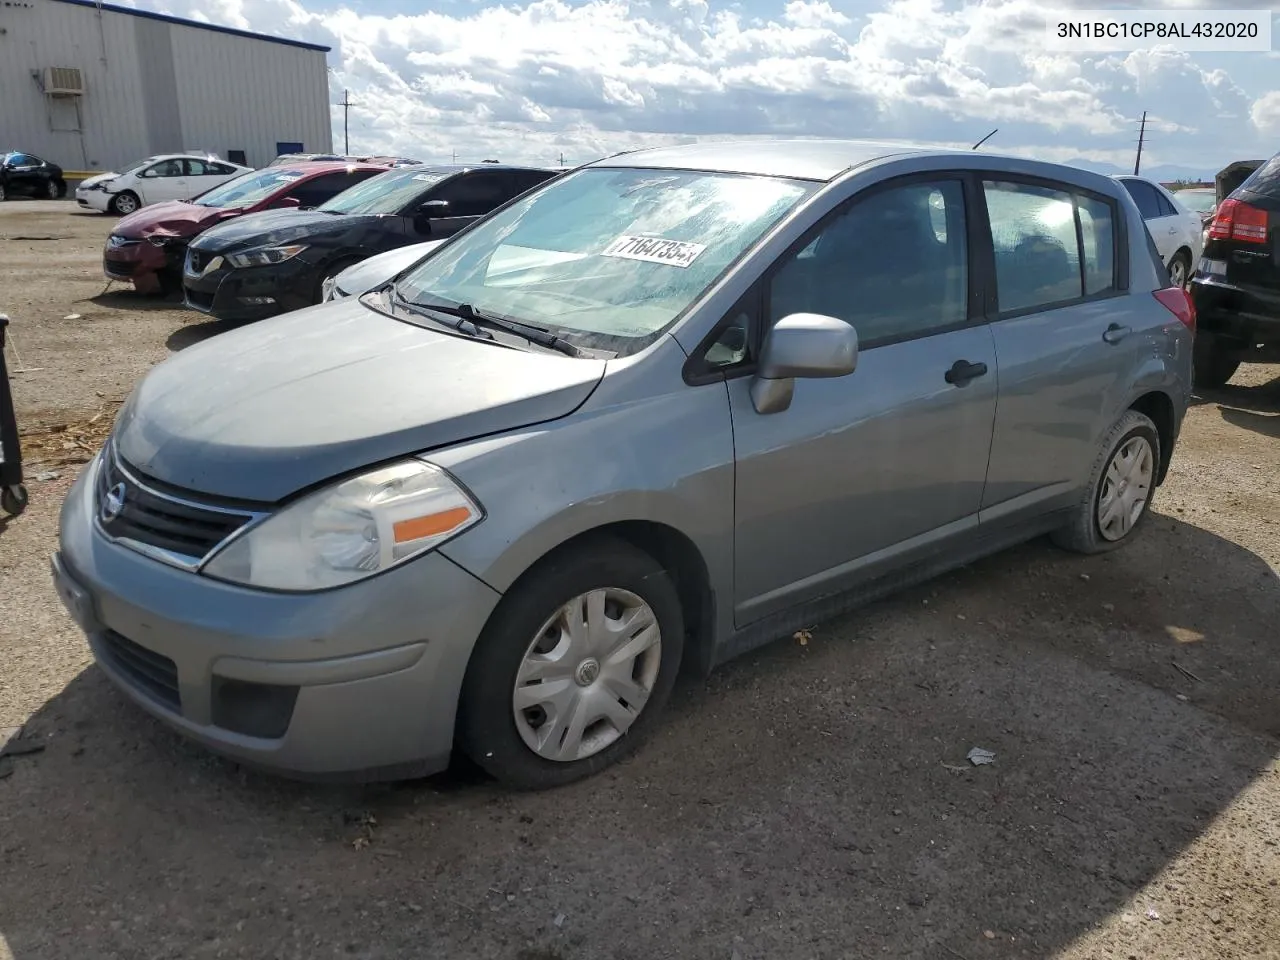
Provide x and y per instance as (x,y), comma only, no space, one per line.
(534,81)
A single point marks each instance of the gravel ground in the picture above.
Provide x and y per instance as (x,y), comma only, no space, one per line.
(810,801)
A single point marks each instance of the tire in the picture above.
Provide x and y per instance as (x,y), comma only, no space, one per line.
(1086,533)
(500,739)
(3,193)
(124,203)
(1213,362)
(13,500)
(1180,268)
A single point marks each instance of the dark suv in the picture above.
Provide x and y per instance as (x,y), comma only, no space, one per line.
(1236,286)
(274,262)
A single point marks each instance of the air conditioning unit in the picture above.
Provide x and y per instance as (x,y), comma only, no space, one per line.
(62,82)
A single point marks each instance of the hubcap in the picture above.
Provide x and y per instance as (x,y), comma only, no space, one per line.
(587,675)
(126,204)
(1126,485)
(1177,273)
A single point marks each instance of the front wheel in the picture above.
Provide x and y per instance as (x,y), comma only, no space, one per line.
(1120,488)
(574,667)
(125,203)
(1213,362)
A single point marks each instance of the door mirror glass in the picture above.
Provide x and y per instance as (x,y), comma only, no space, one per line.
(805,345)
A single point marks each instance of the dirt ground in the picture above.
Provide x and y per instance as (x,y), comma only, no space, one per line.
(809,801)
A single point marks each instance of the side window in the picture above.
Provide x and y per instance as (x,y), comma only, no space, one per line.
(313,192)
(1145,197)
(165,168)
(1033,232)
(475,194)
(197,168)
(237,156)
(1166,208)
(527,180)
(24,160)
(1097,232)
(220,170)
(895,264)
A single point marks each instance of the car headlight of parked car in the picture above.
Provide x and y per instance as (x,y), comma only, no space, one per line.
(264,256)
(350,530)
(165,241)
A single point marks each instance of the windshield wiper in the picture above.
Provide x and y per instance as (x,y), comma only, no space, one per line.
(465,326)
(534,334)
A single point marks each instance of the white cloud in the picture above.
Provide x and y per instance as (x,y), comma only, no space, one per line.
(1265,113)
(532,78)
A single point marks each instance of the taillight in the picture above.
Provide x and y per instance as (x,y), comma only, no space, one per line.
(1236,220)
(1178,302)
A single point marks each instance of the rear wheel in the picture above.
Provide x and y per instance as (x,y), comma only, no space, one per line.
(1180,268)
(574,667)
(1214,362)
(125,203)
(1120,488)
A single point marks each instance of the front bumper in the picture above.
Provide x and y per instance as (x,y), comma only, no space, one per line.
(137,262)
(93,199)
(361,682)
(229,294)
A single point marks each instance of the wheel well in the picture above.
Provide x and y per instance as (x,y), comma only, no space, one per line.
(1184,252)
(683,561)
(1159,408)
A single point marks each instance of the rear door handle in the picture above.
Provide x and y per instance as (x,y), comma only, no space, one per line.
(962,371)
(1115,333)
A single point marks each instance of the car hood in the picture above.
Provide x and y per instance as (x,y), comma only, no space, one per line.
(275,226)
(172,218)
(261,412)
(378,269)
(97,178)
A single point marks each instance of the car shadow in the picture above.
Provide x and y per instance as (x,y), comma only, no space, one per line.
(1258,398)
(813,793)
(126,298)
(192,333)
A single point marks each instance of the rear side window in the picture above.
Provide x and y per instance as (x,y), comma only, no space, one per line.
(1146,197)
(1098,245)
(894,264)
(1266,179)
(1033,231)
(313,192)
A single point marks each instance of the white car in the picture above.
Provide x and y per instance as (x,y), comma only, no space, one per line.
(1177,230)
(173,176)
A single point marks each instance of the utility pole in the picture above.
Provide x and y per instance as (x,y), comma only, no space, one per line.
(455,156)
(562,158)
(1142,132)
(346,104)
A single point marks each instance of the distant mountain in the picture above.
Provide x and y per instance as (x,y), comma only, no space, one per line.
(1163,172)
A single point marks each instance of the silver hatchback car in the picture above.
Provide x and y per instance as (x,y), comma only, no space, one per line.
(671,406)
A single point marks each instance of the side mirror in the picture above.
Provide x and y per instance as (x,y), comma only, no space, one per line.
(433,208)
(287,203)
(806,345)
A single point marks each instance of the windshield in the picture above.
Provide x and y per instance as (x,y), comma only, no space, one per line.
(386,193)
(607,257)
(1198,201)
(130,167)
(248,189)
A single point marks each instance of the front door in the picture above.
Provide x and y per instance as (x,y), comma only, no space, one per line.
(469,195)
(165,180)
(1066,349)
(865,469)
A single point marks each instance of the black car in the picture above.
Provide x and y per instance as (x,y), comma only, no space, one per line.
(1236,286)
(23,174)
(270,263)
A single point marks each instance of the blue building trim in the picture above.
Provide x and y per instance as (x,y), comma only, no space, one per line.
(166,18)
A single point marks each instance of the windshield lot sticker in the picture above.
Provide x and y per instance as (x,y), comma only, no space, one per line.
(674,253)
(426,177)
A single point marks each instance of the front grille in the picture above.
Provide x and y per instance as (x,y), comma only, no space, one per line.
(155,674)
(130,510)
(120,268)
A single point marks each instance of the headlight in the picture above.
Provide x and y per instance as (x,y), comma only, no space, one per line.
(329,289)
(350,530)
(163,241)
(265,256)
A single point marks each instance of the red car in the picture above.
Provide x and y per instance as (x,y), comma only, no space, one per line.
(148,247)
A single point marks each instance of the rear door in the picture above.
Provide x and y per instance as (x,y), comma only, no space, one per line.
(24,174)
(204,175)
(1155,211)
(1066,346)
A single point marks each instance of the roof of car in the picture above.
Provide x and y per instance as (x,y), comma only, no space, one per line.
(464,167)
(802,159)
(314,168)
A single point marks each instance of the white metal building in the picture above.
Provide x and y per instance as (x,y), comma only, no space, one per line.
(91,86)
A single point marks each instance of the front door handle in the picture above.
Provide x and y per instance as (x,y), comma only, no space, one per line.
(962,371)
(1115,333)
